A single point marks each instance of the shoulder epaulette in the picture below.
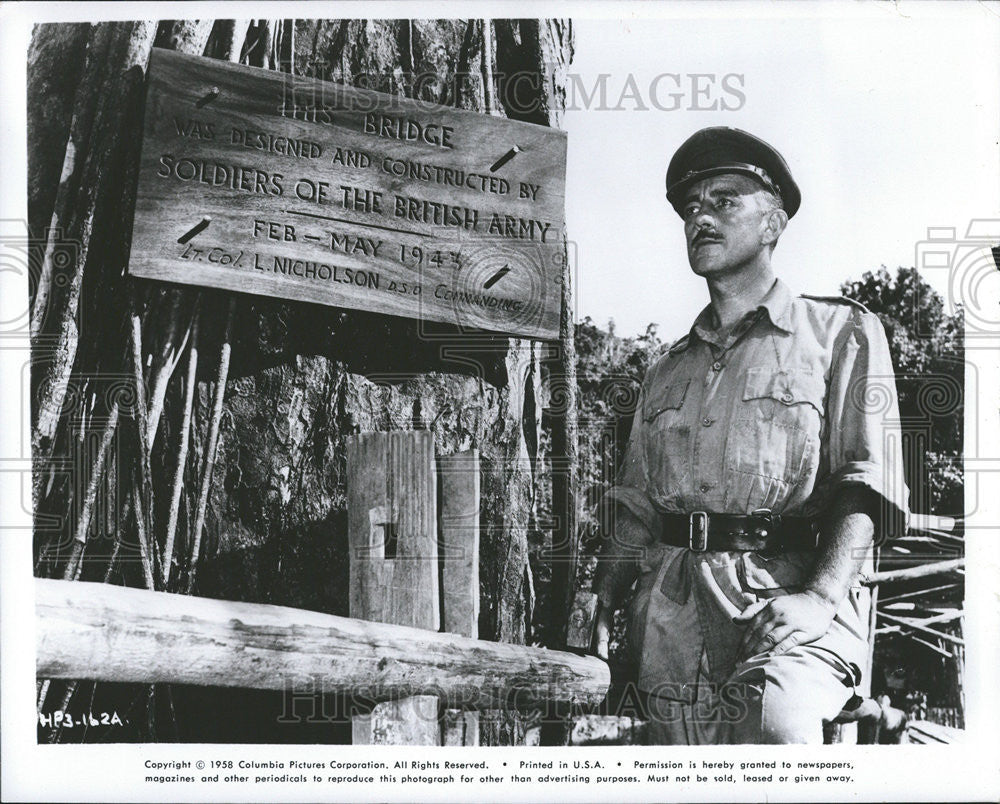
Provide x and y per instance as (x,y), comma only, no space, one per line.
(835,300)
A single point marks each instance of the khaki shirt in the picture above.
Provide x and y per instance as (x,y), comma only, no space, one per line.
(798,402)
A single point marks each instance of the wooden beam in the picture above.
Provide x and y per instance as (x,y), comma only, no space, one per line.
(113,633)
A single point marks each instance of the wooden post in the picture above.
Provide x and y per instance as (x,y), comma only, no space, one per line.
(391,523)
(580,627)
(459,478)
(869,668)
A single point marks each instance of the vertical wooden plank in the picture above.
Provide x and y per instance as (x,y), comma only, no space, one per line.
(869,668)
(460,728)
(392,527)
(459,534)
(459,475)
(392,493)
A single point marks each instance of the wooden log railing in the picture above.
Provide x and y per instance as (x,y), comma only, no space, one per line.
(113,633)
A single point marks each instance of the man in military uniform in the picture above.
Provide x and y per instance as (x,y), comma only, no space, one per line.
(763,463)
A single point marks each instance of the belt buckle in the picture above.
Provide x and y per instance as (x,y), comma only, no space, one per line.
(767,521)
(699,544)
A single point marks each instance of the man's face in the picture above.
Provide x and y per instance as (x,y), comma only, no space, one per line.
(725,224)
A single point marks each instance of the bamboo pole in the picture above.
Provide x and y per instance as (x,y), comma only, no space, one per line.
(190,381)
(913,624)
(114,633)
(897,629)
(103,109)
(73,565)
(146,547)
(908,574)
(918,593)
(488,68)
(142,491)
(164,363)
(213,442)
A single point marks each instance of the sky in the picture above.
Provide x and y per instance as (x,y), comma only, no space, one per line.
(889,123)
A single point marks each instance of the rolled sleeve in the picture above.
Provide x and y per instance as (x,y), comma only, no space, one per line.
(865,445)
(634,501)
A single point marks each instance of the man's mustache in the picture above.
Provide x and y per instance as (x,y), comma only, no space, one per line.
(706,234)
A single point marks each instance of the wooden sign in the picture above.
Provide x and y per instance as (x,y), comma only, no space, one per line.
(280,185)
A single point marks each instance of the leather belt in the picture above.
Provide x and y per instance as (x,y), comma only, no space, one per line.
(760,530)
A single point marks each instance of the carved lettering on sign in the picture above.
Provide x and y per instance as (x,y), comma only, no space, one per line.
(292,187)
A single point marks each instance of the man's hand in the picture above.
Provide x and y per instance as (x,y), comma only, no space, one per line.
(602,630)
(778,624)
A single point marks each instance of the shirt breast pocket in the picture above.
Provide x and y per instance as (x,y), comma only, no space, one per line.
(668,437)
(776,432)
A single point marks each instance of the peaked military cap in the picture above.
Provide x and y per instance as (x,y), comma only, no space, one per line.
(716,150)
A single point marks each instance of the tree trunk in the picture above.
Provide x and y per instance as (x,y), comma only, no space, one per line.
(301,377)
